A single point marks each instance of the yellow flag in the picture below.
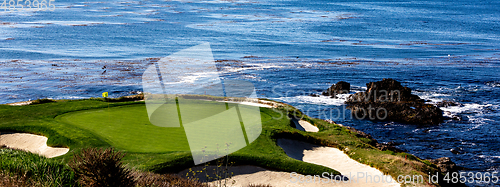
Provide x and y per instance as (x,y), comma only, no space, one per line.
(105,94)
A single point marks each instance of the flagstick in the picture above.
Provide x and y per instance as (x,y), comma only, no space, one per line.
(105,95)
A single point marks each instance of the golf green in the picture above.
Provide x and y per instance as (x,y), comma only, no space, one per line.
(129,128)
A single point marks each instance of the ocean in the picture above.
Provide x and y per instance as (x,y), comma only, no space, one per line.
(442,50)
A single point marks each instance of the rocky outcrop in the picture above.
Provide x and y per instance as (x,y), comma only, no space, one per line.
(388,100)
(340,88)
(387,90)
(445,165)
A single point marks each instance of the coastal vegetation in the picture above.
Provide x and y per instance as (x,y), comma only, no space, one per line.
(124,126)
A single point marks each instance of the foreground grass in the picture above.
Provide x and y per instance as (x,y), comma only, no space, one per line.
(27,169)
(78,124)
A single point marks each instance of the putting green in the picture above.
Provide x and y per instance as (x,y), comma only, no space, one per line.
(128,127)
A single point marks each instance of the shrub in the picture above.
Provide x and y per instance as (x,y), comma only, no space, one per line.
(41,101)
(125,98)
(101,168)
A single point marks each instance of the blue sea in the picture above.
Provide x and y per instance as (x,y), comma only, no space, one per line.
(442,50)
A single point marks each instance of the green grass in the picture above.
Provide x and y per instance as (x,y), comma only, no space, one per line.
(128,128)
(39,170)
(124,125)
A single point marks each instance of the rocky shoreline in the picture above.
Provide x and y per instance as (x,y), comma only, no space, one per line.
(388,100)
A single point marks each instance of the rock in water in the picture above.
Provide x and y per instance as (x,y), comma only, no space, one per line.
(340,88)
(387,90)
(388,100)
(447,103)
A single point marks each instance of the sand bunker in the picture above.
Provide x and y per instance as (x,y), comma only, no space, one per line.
(359,174)
(31,143)
(305,126)
(20,103)
(245,175)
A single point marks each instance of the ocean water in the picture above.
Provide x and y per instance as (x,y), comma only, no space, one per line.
(443,50)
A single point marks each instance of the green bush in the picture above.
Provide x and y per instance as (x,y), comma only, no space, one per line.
(41,101)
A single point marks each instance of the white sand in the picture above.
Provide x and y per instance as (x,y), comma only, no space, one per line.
(325,156)
(19,103)
(270,103)
(31,143)
(305,126)
(245,175)
(338,160)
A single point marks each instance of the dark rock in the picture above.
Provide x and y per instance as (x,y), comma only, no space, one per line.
(390,123)
(392,143)
(456,118)
(388,100)
(387,90)
(445,165)
(340,88)
(447,103)
(329,121)
(456,151)
(453,117)
(314,95)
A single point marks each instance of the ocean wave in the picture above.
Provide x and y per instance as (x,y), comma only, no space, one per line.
(489,158)
(321,100)
(433,97)
(493,83)
(465,108)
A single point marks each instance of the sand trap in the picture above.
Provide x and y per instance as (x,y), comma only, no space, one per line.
(326,156)
(245,175)
(31,143)
(305,126)
(338,160)
(20,103)
(270,103)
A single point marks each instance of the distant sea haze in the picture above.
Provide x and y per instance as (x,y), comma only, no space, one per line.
(442,50)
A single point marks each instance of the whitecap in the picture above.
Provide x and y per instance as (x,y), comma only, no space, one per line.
(321,100)
(466,108)
(493,84)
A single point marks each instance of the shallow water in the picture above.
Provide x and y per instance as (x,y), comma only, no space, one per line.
(443,50)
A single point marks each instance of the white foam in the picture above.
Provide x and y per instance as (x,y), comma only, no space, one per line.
(453,110)
(321,100)
(433,97)
(493,84)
